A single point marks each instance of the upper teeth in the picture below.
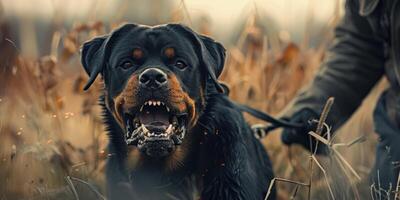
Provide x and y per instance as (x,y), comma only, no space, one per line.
(154,103)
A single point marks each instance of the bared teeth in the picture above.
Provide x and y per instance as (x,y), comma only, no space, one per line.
(167,108)
(145,130)
(154,103)
(163,135)
(148,134)
(169,130)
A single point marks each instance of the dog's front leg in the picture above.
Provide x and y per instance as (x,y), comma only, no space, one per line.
(229,173)
(118,185)
(229,178)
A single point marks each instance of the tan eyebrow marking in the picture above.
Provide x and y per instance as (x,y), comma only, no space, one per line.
(169,52)
(137,53)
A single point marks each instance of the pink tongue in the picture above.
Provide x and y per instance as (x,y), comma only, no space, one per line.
(154,117)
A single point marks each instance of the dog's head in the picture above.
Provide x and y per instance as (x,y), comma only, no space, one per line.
(156,79)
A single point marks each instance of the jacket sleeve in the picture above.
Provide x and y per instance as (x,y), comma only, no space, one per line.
(354,64)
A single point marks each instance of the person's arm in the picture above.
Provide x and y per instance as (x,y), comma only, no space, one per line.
(354,65)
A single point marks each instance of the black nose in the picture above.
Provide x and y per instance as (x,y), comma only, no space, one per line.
(153,78)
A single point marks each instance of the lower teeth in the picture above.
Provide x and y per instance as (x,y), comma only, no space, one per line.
(141,134)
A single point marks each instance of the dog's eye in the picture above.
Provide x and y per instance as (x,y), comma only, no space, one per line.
(126,65)
(180,64)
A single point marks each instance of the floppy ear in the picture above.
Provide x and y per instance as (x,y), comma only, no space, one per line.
(95,52)
(90,58)
(212,53)
(217,52)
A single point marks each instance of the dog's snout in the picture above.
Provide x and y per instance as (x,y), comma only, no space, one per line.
(153,78)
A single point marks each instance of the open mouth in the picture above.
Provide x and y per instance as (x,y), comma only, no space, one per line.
(155,121)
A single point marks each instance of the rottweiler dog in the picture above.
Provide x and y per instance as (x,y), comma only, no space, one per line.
(161,96)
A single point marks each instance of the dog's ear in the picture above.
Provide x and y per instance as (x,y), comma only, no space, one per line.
(212,53)
(95,52)
(217,52)
(90,58)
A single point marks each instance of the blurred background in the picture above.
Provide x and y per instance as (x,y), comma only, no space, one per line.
(52,142)
(33,22)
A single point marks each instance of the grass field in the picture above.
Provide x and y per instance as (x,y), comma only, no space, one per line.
(52,142)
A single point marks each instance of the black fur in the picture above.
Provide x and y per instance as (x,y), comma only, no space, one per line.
(225,161)
(236,162)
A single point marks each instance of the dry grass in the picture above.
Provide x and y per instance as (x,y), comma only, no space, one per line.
(53,144)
